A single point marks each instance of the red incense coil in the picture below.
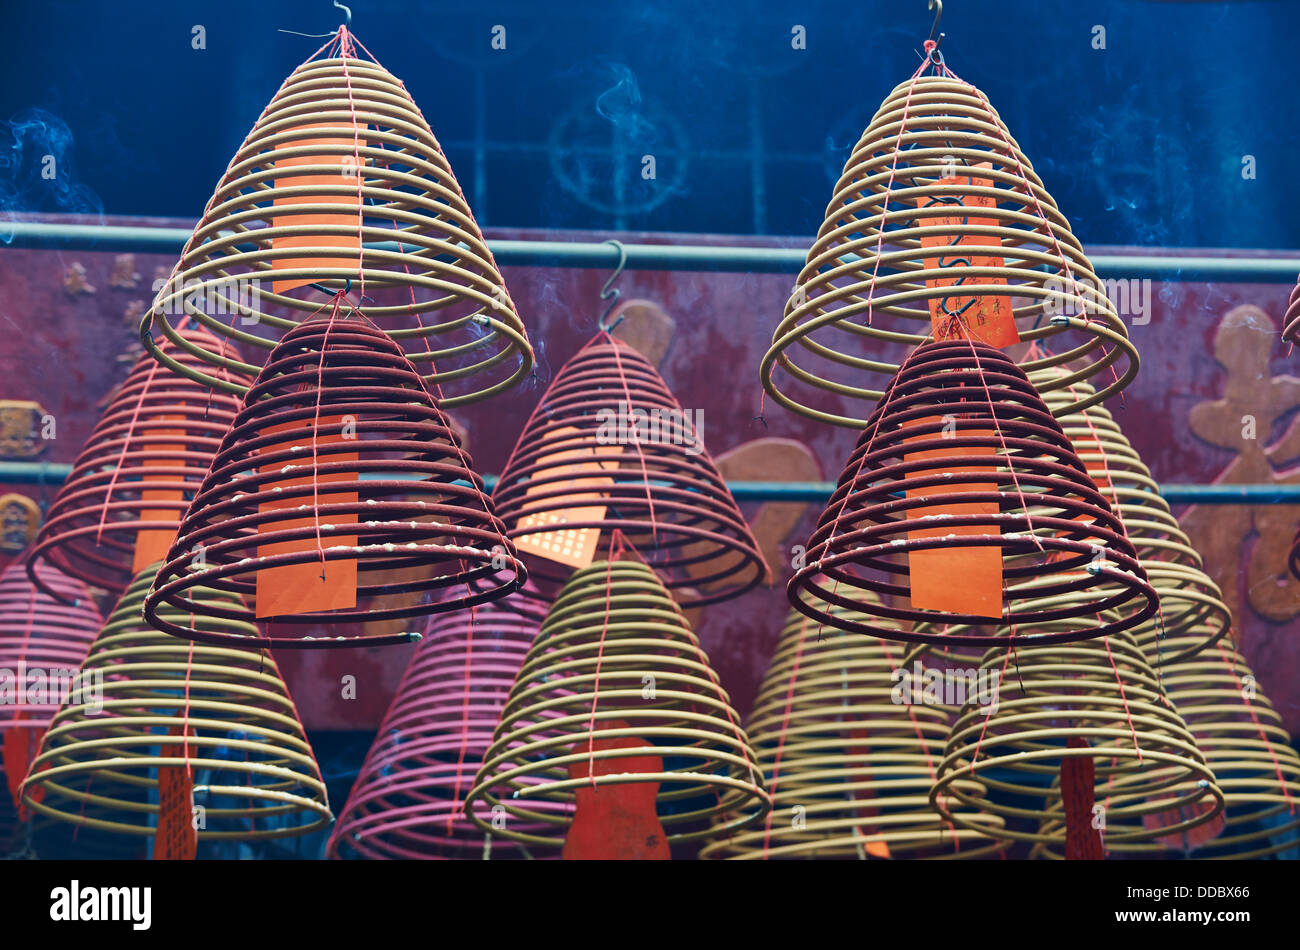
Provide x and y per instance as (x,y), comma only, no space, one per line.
(341,180)
(663,493)
(616,676)
(408,800)
(1295,556)
(935,170)
(340,454)
(1291,322)
(1064,553)
(138,470)
(42,632)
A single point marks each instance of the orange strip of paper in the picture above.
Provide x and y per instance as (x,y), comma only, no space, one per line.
(349,204)
(311,586)
(177,839)
(988,318)
(575,547)
(617,822)
(956,579)
(152,544)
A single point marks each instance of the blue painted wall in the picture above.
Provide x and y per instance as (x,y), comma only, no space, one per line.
(1141,143)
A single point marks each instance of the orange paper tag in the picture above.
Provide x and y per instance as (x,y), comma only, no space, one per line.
(311,586)
(176,839)
(957,580)
(575,547)
(986,317)
(152,544)
(348,214)
(618,822)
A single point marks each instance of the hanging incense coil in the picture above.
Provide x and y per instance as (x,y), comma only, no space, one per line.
(849,767)
(609,448)
(616,660)
(222,713)
(339,454)
(45,634)
(341,180)
(138,471)
(1063,551)
(408,800)
(1291,322)
(1246,745)
(876,272)
(1103,695)
(1189,599)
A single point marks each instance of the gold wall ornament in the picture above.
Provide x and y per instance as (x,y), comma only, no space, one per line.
(877,272)
(849,765)
(20,520)
(21,423)
(342,184)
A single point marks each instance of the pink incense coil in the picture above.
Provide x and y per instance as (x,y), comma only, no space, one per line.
(338,454)
(1291,322)
(408,800)
(42,635)
(1064,552)
(644,472)
(138,470)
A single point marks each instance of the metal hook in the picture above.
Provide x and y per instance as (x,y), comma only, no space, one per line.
(937,7)
(348,11)
(609,291)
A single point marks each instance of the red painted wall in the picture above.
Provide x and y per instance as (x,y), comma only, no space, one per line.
(61,347)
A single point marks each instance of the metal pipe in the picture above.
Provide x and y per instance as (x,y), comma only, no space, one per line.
(54,473)
(669,257)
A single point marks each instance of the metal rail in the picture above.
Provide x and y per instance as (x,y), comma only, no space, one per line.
(671,257)
(54,474)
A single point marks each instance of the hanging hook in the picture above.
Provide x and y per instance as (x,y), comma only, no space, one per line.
(933,52)
(348,10)
(609,291)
